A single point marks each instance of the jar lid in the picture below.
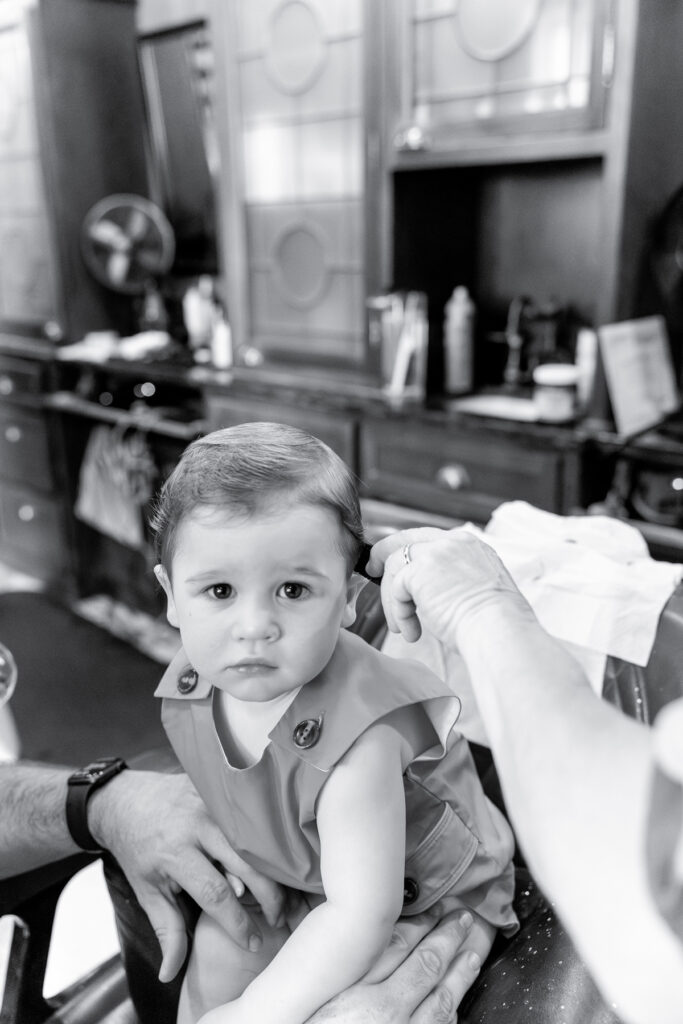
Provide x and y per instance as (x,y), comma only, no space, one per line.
(557,375)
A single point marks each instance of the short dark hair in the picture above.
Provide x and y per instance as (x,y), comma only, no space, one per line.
(244,469)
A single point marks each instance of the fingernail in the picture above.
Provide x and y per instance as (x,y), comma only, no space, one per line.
(474,961)
(255,943)
(466,920)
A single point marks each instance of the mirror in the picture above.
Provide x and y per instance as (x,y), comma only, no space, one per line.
(177,77)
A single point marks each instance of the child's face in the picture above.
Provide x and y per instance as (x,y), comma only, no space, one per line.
(259,601)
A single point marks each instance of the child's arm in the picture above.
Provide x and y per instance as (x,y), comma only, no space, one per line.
(361,822)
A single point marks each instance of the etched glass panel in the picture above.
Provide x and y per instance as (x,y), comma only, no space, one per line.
(300,67)
(479,59)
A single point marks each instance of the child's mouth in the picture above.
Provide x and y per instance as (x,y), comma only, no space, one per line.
(252,667)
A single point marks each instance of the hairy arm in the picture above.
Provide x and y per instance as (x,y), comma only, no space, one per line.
(161,834)
(33,828)
(361,821)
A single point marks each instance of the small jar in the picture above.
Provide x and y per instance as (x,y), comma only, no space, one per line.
(555,391)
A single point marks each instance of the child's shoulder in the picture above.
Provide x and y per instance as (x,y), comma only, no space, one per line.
(355,656)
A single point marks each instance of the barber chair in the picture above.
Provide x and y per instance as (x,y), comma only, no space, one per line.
(535,978)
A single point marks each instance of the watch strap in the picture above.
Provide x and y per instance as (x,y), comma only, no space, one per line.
(80,787)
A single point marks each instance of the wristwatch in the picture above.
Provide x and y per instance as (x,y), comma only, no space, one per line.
(80,787)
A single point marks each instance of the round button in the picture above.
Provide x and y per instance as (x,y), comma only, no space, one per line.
(187,681)
(307,733)
(411,890)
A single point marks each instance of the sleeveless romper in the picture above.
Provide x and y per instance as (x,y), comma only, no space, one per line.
(457,842)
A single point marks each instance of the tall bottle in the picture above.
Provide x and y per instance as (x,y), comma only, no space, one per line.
(458,339)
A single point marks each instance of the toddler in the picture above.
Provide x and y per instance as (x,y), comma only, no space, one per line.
(332,768)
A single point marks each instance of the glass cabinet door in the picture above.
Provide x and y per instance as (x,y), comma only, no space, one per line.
(477,68)
(300,140)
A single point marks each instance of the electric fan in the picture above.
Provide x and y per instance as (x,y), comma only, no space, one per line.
(127,243)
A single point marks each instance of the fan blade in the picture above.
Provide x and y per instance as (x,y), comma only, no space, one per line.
(118,265)
(136,227)
(106,232)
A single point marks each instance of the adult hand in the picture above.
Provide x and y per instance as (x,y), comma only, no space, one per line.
(448,576)
(421,977)
(159,831)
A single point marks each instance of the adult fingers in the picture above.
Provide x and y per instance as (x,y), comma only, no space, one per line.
(395,541)
(208,887)
(441,1005)
(397,600)
(407,932)
(238,886)
(268,893)
(422,972)
(169,927)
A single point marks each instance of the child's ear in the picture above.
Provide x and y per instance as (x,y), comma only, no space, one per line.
(353,589)
(162,577)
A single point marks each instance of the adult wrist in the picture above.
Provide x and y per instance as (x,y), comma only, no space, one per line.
(110,809)
(82,786)
(496,613)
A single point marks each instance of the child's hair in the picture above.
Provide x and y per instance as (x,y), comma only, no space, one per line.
(244,469)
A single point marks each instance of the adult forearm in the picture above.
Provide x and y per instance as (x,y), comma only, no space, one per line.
(573,767)
(32,823)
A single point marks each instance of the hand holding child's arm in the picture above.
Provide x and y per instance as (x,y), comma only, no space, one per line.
(361,821)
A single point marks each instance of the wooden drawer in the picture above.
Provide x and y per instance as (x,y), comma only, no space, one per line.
(31,535)
(24,447)
(19,378)
(464,474)
(336,429)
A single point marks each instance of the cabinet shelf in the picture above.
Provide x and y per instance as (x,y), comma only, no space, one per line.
(513,149)
(65,401)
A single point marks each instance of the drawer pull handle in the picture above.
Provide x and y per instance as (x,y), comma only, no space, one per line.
(26,513)
(13,434)
(6,385)
(453,477)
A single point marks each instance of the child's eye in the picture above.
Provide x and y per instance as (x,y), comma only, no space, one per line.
(292,591)
(220,591)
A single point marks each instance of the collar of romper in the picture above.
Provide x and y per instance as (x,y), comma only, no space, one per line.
(357,682)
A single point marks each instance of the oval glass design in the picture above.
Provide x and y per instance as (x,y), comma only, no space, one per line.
(8,674)
(492,29)
(299,267)
(296,49)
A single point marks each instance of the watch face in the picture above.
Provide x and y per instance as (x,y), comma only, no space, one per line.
(95,770)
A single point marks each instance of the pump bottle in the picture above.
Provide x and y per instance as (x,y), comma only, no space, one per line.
(458,336)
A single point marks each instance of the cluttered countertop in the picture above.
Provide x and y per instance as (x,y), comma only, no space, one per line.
(77,374)
(79,369)
(451,456)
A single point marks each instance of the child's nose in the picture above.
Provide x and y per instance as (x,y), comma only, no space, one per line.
(254,622)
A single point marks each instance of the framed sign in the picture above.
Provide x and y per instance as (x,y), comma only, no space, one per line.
(639,373)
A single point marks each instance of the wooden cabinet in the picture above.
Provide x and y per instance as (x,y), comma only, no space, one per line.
(32,526)
(562,215)
(530,171)
(464,472)
(71,132)
(338,430)
(473,73)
